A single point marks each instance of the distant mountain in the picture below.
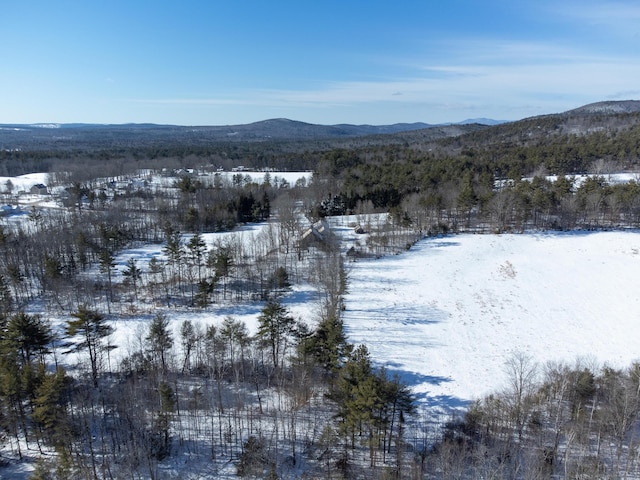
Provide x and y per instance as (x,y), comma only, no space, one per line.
(52,136)
(81,135)
(482,121)
(384,129)
(285,129)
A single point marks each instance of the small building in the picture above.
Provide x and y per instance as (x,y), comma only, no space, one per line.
(316,235)
(39,189)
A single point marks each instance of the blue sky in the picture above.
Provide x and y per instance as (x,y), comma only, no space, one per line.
(220,62)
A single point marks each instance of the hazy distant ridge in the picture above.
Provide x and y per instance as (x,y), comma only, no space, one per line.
(277,128)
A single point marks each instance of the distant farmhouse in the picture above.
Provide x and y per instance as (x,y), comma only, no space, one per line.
(39,189)
(315,236)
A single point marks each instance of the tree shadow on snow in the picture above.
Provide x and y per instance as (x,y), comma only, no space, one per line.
(414,379)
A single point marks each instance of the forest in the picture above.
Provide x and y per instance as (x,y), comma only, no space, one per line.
(295,399)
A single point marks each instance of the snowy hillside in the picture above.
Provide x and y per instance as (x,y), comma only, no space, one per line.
(447,314)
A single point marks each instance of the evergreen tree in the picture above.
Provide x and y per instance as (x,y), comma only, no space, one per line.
(174,252)
(91,328)
(354,380)
(221,260)
(6,300)
(107,264)
(17,279)
(189,340)
(327,345)
(197,249)
(369,403)
(205,289)
(280,279)
(466,197)
(397,403)
(132,275)
(23,345)
(253,459)
(50,408)
(275,327)
(52,272)
(159,340)
(163,419)
(26,337)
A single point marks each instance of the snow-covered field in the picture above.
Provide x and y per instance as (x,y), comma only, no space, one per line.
(24,182)
(448,314)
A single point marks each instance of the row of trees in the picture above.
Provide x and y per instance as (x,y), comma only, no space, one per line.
(552,421)
(540,203)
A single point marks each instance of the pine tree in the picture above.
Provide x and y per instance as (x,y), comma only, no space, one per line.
(107,264)
(253,458)
(23,346)
(280,279)
(221,260)
(6,300)
(27,337)
(275,327)
(205,289)
(132,274)
(159,340)
(175,253)
(397,402)
(50,408)
(197,249)
(189,339)
(328,344)
(91,328)
(17,279)
(163,419)
(359,397)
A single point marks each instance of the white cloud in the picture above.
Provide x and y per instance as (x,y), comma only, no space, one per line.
(618,17)
(489,77)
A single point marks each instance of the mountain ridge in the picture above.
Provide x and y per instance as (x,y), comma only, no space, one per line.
(52,136)
(340,128)
(99,136)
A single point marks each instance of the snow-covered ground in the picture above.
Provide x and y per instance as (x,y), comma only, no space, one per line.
(129,332)
(24,182)
(448,314)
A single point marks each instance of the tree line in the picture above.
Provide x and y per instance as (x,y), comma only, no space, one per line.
(494,187)
(558,420)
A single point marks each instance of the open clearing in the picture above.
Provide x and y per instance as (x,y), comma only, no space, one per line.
(447,314)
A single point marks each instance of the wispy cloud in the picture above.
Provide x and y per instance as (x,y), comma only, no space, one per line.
(526,78)
(618,17)
(598,77)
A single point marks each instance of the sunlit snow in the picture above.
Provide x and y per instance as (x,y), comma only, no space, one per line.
(447,314)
